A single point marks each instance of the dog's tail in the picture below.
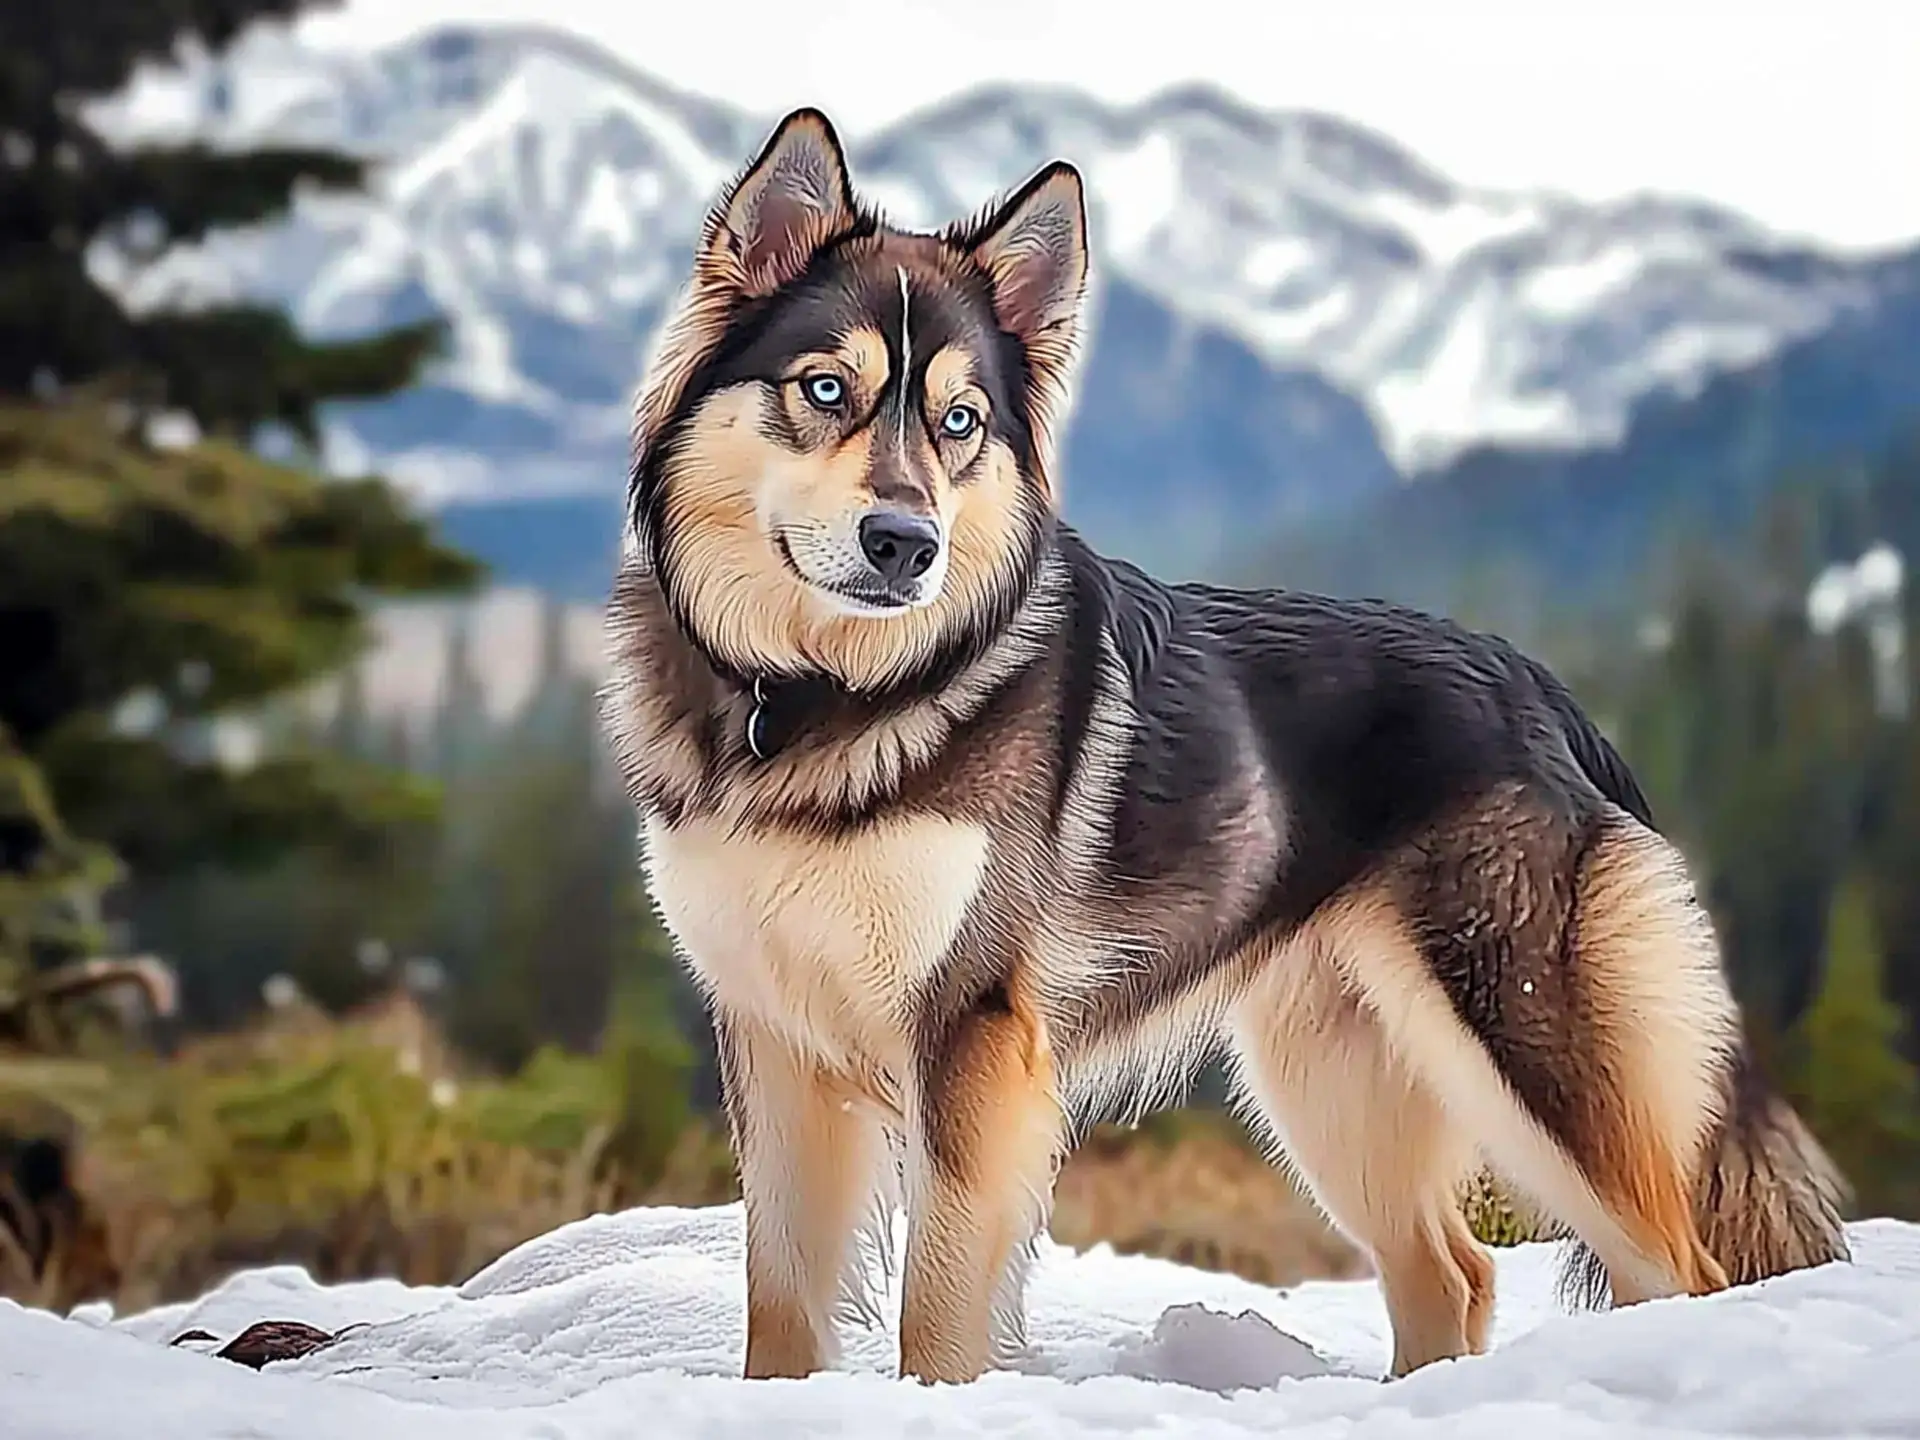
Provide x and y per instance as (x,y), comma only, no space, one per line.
(1767,1198)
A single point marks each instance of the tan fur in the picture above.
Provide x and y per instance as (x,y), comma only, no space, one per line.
(822,939)
(1349,1007)
(1369,1137)
(1650,952)
(698,326)
(1475,1265)
(1047,319)
(1671,1028)
(648,726)
(950,379)
(1760,1195)
(980,1195)
(1381,962)
(723,271)
(814,1167)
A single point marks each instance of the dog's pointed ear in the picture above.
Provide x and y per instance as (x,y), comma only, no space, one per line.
(1034,250)
(792,200)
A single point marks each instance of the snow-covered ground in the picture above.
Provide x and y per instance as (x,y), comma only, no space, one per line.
(631,1326)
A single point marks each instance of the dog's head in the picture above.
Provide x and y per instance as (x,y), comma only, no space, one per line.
(842,449)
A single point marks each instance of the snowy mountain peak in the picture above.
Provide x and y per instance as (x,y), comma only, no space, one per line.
(543,194)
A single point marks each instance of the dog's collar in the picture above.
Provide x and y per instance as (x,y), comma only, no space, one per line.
(776,712)
(757,722)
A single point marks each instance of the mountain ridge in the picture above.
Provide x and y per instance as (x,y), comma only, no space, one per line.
(1293,314)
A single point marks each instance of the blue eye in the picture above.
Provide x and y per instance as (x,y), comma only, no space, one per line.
(960,422)
(826,391)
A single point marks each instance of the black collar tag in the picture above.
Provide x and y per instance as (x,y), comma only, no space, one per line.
(757,722)
(784,706)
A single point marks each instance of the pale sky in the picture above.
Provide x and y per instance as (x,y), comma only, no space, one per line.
(1803,113)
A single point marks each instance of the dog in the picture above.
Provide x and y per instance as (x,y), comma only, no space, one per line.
(966,831)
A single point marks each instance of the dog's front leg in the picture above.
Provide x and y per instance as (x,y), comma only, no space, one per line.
(809,1155)
(984,1140)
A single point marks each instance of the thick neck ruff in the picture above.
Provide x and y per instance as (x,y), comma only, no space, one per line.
(781,705)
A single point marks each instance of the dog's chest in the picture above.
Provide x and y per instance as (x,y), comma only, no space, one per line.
(825,939)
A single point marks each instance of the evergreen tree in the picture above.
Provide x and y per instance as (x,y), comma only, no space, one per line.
(350,727)
(551,869)
(50,883)
(195,582)
(460,718)
(175,584)
(1896,863)
(1860,1095)
(65,192)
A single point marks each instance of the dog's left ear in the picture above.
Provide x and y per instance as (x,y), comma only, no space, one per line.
(792,200)
(1034,250)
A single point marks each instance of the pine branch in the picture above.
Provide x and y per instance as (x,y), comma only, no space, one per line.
(53,54)
(55,320)
(393,550)
(69,187)
(166,813)
(373,367)
(238,368)
(158,197)
(234,368)
(119,565)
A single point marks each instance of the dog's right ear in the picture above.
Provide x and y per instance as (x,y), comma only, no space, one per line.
(792,200)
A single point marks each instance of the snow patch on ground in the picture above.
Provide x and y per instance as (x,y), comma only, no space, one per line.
(631,1325)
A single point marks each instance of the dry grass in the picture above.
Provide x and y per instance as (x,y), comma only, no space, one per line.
(1189,1186)
(343,1148)
(361,1148)
(1188,1189)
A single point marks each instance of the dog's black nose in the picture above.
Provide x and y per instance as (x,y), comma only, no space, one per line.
(902,547)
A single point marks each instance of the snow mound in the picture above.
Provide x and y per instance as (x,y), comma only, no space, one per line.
(632,1324)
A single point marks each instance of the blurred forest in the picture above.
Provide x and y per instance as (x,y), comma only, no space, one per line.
(284,975)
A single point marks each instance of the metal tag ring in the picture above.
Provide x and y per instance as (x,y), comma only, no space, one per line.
(757,721)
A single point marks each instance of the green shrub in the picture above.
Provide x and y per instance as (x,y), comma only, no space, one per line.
(1495,1215)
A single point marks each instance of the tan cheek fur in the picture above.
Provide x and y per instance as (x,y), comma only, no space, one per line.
(754,612)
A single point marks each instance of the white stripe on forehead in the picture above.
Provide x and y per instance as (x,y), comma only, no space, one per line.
(906,365)
(906,334)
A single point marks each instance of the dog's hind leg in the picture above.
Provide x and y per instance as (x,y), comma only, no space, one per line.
(1371,1143)
(1477,1265)
(1663,1039)
(1552,980)
(812,1157)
